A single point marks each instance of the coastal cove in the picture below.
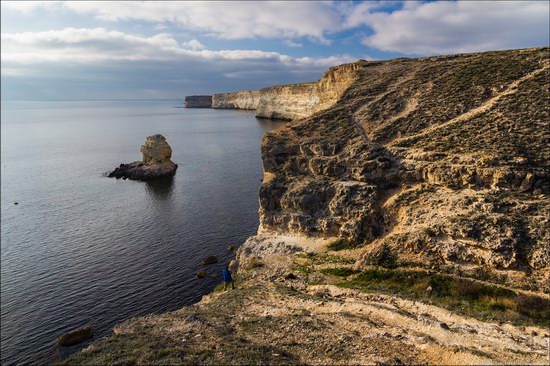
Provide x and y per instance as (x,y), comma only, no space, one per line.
(80,248)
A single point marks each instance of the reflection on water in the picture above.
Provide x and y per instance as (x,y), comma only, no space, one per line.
(160,188)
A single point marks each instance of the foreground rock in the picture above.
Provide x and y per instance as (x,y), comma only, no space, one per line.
(75,337)
(156,162)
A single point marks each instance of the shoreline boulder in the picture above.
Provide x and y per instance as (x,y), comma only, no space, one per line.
(76,336)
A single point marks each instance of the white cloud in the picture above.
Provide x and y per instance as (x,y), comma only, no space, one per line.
(85,45)
(226,19)
(292,44)
(464,26)
(194,45)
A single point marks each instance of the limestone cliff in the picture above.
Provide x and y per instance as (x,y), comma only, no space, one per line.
(294,101)
(198,101)
(248,99)
(442,161)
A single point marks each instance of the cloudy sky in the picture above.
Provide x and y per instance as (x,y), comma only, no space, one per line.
(131,50)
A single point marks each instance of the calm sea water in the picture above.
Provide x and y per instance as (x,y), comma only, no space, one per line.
(80,248)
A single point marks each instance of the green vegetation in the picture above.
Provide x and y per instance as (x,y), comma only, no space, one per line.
(342,244)
(340,272)
(464,296)
(383,257)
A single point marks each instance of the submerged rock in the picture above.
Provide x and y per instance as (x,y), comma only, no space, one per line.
(76,336)
(210,260)
(155,164)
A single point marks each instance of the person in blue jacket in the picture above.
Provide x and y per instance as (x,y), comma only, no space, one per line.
(226,274)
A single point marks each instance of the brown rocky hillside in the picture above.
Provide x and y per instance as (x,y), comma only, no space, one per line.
(444,162)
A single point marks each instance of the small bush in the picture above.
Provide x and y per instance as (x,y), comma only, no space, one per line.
(342,244)
(383,257)
(340,272)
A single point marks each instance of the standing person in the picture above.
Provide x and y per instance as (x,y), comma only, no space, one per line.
(226,274)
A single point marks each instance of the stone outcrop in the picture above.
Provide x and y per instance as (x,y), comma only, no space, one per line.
(444,160)
(293,101)
(198,101)
(155,164)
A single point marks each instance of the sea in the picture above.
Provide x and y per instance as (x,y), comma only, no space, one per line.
(78,248)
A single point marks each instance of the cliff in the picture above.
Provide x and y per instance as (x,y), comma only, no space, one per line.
(294,101)
(443,161)
(407,223)
(248,99)
(198,101)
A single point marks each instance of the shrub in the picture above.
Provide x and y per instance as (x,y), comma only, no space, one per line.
(340,272)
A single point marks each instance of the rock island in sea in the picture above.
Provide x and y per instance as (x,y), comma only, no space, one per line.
(156,162)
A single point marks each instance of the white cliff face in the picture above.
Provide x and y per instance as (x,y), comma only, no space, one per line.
(248,99)
(293,101)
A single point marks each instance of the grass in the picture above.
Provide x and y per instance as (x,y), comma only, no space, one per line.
(341,244)
(339,272)
(467,297)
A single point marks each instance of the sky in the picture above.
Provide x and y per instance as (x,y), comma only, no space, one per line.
(87,50)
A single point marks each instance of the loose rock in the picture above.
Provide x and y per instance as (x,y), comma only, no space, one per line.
(76,336)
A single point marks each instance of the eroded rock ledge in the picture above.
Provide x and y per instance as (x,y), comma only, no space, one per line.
(155,164)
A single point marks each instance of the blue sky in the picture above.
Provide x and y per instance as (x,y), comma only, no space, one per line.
(131,50)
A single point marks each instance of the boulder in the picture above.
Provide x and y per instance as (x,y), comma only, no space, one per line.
(155,164)
(210,260)
(76,336)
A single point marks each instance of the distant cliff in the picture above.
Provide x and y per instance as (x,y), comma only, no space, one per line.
(198,101)
(293,101)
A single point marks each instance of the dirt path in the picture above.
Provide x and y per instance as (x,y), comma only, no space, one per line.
(487,105)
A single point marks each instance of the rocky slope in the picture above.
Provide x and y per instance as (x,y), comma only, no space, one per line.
(443,161)
(294,101)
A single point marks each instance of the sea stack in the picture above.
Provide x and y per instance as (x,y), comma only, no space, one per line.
(155,164)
